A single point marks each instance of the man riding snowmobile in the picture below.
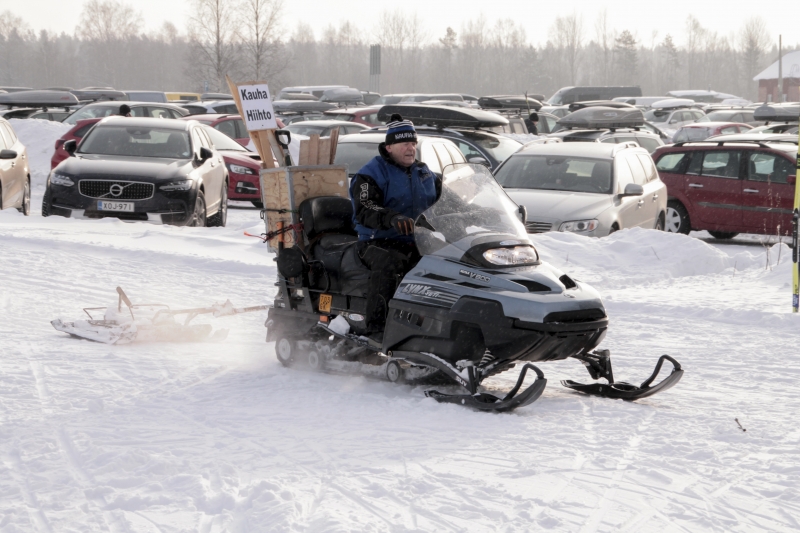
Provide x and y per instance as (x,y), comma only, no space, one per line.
(388,194)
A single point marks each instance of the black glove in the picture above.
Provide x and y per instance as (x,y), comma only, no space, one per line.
(403,225)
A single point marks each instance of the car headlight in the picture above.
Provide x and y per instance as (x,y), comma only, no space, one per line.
(61,179)
(579,225)
(239,169)
(183,185)
(518,255)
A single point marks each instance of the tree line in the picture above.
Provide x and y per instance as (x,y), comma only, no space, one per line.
(247,40)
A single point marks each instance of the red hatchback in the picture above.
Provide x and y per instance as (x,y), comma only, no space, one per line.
(75,134)
(231,125)
(729,187)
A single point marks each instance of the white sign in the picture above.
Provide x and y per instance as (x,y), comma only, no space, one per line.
(258,113)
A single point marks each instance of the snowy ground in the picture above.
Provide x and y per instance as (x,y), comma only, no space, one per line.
(219,437)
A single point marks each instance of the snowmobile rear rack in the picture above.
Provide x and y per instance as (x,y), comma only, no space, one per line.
(598,364)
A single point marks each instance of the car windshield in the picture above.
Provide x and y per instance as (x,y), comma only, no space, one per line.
(472,206)
(95,111)
(354,155)
(222,141)
(655,115)
(717,116)
(556,173)
(137,141)
(306,129)
(691,134)
(499,147)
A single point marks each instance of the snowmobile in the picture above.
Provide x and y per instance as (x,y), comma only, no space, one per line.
(479,302)
(127,322)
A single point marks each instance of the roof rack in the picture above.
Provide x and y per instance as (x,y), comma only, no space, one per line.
(509,102)
(443,116)
(575,106)
(623,146)
(603,117)
(761,144)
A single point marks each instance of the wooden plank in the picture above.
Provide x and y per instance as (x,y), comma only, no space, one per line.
(334,144)
(277,149)
(313,149)
(308,182)
(324,155)
(304,148)
(263,144)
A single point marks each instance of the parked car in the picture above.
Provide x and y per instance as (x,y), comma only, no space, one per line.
(227,107)
(738,115)
(647,140)
(557,111)
(729,187)
(567,95)
(314,90)
(15,175)
(607,125)
(138,109)
(244,167)
(231,125)
(469,129)
(147,96)
(669,120)
(355,151)
(77,133)
(367,116)
(772,129)
(157,170)
(186,97)
(323,127)
(700,131)
(643,102)
(592,189)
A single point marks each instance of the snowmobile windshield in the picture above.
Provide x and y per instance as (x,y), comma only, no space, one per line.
(472,210)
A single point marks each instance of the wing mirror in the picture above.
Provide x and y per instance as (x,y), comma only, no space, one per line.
(70,146)
(523,214)
(480,161)
(8,154)
(205,154)
(633,189)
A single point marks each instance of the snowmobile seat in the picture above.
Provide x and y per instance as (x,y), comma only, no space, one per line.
(328,226)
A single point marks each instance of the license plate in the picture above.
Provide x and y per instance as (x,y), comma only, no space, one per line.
(325,301)
(115,206)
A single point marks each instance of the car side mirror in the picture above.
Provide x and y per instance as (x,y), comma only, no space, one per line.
(633,189)
(480,161)
(205,154)
(8,154)
(70,146)
(523,214)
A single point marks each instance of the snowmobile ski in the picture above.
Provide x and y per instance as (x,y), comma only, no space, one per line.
(598,364)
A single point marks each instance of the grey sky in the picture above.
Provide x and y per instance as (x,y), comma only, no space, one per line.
(639,16)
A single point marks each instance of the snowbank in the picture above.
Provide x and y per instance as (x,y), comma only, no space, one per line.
(39,137)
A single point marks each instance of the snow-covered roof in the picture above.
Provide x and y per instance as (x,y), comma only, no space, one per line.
(791,68)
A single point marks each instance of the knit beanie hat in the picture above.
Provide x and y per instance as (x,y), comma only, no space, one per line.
(400,131)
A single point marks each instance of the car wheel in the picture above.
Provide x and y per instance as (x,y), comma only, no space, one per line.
(723,235)
(25,208)
(46,203)
(677,220)
(259,205)
(219,218)
(198,217)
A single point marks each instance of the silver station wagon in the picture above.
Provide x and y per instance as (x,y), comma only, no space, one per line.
(591,189)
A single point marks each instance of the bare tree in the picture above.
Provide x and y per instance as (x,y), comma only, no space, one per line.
(108,23)
(567,32)
(264,52)
(213,38)
(753,42)
(604,37)
(695,34)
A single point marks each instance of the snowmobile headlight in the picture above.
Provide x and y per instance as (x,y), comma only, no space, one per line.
(579,225)
(518,255)
(183,185)
(239,169)
(61,179)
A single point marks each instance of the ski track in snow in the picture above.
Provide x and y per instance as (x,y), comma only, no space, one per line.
(219,437)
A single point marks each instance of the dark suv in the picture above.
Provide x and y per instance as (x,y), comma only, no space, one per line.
(729,187)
